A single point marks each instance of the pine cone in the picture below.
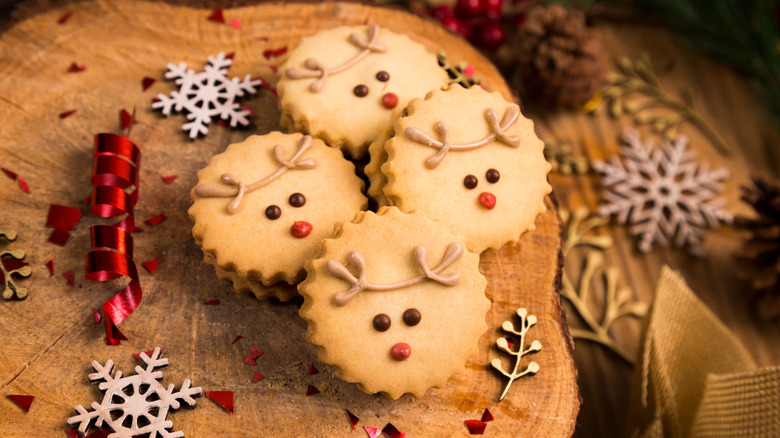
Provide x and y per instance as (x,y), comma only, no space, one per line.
(760,255)
(560,61)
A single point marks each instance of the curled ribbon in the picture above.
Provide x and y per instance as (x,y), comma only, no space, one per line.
(115,170)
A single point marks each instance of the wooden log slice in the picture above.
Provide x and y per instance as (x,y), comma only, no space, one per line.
(49,339)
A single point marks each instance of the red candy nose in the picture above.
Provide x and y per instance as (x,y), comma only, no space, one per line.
(488,200)
(401,351)
(300,229)
(389,100)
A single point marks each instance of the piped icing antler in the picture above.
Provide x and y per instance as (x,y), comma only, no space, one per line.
(498,132)
(232,187)
(360,283)
(315,69)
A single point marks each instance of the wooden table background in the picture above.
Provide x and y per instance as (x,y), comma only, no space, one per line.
(728,102)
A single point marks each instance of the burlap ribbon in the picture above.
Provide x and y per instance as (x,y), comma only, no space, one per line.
(695,378)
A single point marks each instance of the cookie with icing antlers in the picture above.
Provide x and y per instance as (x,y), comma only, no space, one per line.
(349,84)
(469,159)
(395,302)
(262,207)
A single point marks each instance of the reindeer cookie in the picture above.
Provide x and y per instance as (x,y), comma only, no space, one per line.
(395,302)
(349,84)
(469,159)
(262,207)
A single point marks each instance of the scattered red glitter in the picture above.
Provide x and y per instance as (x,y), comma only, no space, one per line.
(476,427)
(62,216)
(50,266)
(392,432)
(169,179)
(222,398)
(147,82)
(96,316)
(69,113)
(59,236)
(126,119)
(23,185)
(8,173)
(353,420)
(238,338)
(213,302)
(487,416)
(253,354)
(148,353)
(313,370)
(312,391)
(75,68)
(274,52)
(217,16)
(19,180)
(389,100)
(373,432)
(23,401)
(156,220)
(151,266)
(64,19)
(68,277)
(257,377)
(235,24)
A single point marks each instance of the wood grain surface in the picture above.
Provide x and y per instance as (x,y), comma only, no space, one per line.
(48,340)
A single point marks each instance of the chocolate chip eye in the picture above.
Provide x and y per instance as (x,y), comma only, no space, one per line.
(273,212)
(382,76)
(492,176)
(360,90)
(412,317)
(297,200)
(470,181)
(381,322)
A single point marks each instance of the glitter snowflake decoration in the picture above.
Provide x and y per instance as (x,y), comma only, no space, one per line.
(206,94)
(663,193)
(135,406)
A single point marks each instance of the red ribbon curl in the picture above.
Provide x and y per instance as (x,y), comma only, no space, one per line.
(115,170)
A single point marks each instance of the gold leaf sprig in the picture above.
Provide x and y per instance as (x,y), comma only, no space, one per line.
(636,88)
(11,288)
(563,160)
(526,322)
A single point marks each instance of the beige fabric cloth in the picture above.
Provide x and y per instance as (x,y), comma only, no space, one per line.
(695,378)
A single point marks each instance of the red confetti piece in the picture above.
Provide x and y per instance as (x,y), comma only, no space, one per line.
(151,266)
(96,316)
(62,216)
(126,119)
(23,185)
(148,353)
(222,398)
(10,174)
(59,236)
(19,180)
(353,420)
(213,302)
(69,113)
(264,83)
(469,70)
(50,266)
(72,433)
(102,433)
(248,109)
(476,427)
(88,199)
(257,377)
(311,391)
(147,82)
(23,401)
(392,432)
(253,354)
(138,230)
(487,416)
(274,52)
(235,24)
(64,19)
(274,69)
(169,179)
(373,432)
(313,370)
(217,16)
(238,338)
(230,55)
(156,220)
(68,277)
(11,265)
(75,68)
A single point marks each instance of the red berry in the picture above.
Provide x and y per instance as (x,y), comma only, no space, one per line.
(488,200)
(300,229)
(494,6)
(401,351)
(489,37)
(389,100)
(442,12)
(470,8)
(458,26)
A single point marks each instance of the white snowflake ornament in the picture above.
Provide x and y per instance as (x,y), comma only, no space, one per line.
(135,406)
(663,193)
(206,94)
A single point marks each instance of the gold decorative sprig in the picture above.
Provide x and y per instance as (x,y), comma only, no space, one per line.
(617,301)
(526,322)
(11,288)
(563,160)
(637,78)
